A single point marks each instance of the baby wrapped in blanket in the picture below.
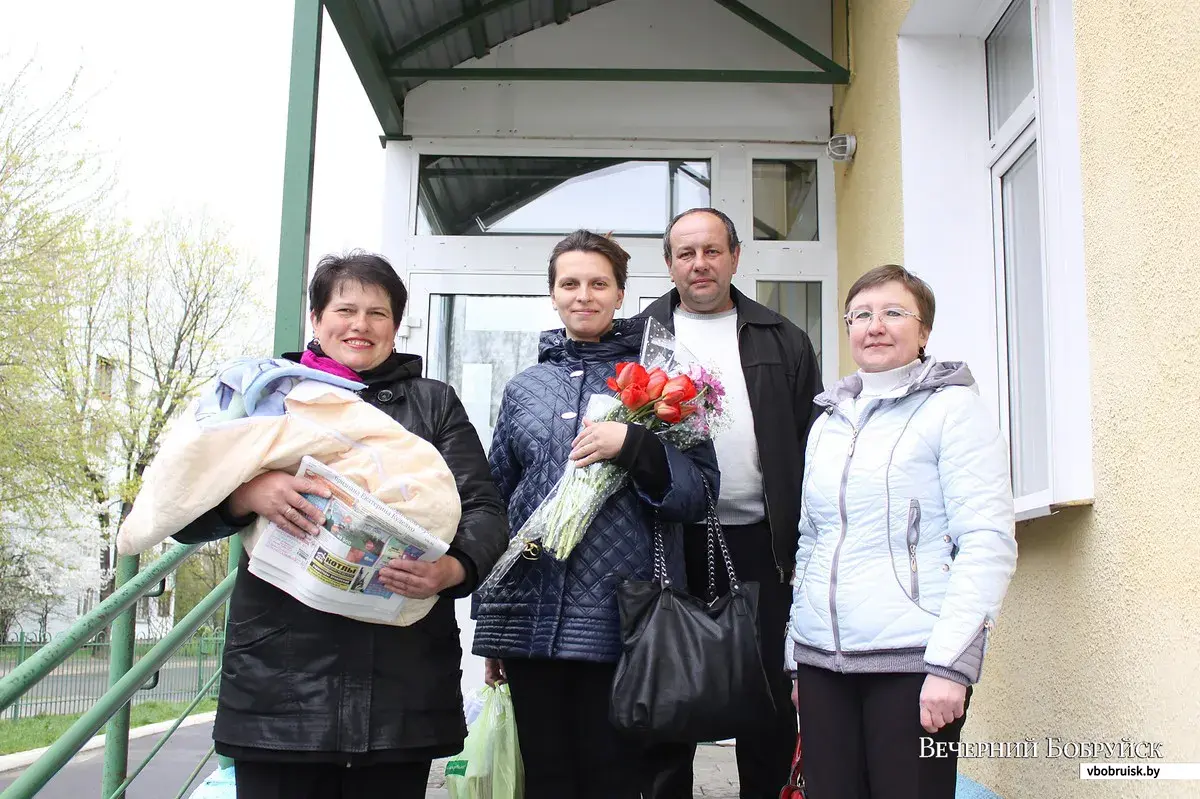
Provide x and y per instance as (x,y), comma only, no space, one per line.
(262,415)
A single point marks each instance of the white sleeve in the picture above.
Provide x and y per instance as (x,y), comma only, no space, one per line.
(973,467)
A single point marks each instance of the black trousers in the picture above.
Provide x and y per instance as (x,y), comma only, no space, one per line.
(862,737)
(764,756)
(569,748)
(330,781)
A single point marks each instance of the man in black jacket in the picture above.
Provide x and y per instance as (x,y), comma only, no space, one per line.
(771,375)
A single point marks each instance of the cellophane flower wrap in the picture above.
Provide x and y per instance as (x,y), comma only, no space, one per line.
(669,392)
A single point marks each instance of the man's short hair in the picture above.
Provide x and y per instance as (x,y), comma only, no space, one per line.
(730,230)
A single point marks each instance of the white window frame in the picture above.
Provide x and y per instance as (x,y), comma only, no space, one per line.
(424,285)
(1012,152)
(421,257)
(951,166)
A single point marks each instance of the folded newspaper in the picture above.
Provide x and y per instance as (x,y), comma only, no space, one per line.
(337,571)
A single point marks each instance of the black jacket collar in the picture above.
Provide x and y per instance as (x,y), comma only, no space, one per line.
(623,341)
(748,311)
(398,366)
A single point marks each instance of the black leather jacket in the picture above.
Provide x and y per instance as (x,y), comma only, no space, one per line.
(782,379)
(298,684)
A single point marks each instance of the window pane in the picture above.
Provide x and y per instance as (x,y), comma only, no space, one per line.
(799,302)
(493,195)
(478,343)
(1009,63)
(1027,389)
(785,200)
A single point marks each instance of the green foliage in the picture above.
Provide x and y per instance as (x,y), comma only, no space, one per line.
(198,576)
(49,185)
(106,333)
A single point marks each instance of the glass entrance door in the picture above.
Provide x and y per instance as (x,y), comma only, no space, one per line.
(477,332)
(477,343)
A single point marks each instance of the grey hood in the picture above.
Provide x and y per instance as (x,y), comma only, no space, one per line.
(930,376)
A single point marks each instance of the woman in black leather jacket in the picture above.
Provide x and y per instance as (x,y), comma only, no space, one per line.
(322,706)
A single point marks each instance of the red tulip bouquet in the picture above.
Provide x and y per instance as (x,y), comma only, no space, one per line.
(669,393)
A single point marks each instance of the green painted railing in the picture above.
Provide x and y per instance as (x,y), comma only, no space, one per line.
(80,680)
(125,676)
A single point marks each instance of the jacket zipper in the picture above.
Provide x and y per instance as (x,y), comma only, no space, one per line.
(986,624)
(914,537)
(837,552)
(766,500)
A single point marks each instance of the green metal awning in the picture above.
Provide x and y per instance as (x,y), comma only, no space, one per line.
(395,45)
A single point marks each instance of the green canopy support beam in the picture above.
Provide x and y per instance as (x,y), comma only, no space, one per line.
(453,26)
(474,11)
(299,152)
(479,47)
(623,75)
(791,42)
(353,33)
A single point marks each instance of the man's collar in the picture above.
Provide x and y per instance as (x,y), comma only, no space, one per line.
(749,311)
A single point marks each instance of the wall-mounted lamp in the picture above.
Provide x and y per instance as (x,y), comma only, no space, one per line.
(841,147)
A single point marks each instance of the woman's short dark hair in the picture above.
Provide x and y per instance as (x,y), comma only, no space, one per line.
(730,229)
(587,241)
(891,273)
(359,266)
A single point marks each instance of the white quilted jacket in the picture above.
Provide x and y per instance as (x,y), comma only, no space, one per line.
(906,529)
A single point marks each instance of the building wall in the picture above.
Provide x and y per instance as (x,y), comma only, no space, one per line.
(870,222)
(1098,639)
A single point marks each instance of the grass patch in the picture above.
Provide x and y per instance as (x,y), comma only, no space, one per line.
(18,735)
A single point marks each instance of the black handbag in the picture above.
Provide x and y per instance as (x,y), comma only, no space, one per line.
(689,670)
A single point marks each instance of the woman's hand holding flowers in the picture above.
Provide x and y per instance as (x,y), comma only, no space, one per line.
(597,441)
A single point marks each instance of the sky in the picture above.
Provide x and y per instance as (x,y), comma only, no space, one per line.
(187,105)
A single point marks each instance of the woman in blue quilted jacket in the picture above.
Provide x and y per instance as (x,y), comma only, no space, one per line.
(551,628)
(905,552)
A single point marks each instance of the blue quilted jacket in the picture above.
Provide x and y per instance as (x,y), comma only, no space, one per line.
(568,610)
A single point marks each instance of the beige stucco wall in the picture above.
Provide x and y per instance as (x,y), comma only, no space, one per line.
(1100,634)
(870,222)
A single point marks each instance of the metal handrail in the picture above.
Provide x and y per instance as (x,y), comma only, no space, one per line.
(167,736)
(22,678)
(195,772)
(41,771)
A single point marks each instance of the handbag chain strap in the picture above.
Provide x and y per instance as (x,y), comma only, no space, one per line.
(660,558)
(716,536)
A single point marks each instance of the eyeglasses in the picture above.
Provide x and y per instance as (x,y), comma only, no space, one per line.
(889,316)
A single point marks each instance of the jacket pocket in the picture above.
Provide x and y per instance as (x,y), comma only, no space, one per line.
(255,670)
(912,538)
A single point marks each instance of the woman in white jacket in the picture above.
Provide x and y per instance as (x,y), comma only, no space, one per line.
(906,550)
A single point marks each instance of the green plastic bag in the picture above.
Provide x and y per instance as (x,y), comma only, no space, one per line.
(489,766)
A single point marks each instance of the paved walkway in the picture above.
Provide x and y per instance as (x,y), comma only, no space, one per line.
(716,771)
(80,779)
(715,775)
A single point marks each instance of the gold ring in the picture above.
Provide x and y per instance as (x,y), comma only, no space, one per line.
(532,551)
